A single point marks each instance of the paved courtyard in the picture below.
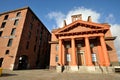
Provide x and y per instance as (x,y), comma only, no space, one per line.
(52,75)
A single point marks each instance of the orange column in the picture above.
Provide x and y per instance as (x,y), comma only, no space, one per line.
(60,52)
(88,52)
(73,52)
(63,54)
(101,56)
(103,44)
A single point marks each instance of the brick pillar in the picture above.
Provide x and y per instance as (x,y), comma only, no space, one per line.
(106,57)
(88,52)
(73,52)
(60,52)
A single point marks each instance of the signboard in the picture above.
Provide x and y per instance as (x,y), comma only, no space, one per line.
(68,57)
(94,57)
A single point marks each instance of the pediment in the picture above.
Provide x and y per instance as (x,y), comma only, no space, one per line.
(81,26)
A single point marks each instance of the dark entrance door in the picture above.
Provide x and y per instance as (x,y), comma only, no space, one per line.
(1,60)
(23,62)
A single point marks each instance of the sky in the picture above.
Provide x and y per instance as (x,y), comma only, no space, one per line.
(53,12)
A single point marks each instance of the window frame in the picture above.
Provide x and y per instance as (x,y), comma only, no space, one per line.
(18,14)
(10,42)
(16,22)
(3,24)
(13,31)
(6,17)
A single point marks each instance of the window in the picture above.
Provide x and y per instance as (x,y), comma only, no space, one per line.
(16,22)
(79,45)
(40,35)
(34,48)
(68,46)
(13,31)
(10,42)
(1,33)
(33,18)
(36,39)
(27,46)
(29,35)
(56,58)
(6,17)
(91,45)
(7,52)
(18,14)
(57,47)
(31,26)
(1,60)
(3,24)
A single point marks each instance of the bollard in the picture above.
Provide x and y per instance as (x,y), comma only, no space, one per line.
(0,71)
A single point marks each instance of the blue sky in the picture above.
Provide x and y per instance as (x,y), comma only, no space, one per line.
(53,12)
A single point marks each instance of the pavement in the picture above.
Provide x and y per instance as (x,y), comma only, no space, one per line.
(53,75)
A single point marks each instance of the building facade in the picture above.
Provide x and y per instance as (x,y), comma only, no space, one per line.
(82,43)
(23,40)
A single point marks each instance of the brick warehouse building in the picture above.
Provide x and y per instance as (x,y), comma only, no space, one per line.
(82,44)
(23,40)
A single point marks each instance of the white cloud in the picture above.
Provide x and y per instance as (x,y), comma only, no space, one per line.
(115,29)
(110,18)
(85,13)
(59,16)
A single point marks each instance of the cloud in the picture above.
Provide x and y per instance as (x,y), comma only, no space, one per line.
(110,18)
(59,16)
(115,29)
(85,13)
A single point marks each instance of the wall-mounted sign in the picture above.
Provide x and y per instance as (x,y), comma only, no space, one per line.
(68,57)
(94,57)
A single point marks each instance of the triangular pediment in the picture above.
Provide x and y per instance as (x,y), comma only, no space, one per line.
(81,26)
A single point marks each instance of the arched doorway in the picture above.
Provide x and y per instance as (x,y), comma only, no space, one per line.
(23,62)
(1,60)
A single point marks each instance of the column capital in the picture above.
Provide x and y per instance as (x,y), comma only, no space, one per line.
(72,38)
(86,37)
(59,39)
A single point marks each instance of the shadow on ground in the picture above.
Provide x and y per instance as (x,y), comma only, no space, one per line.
(6,75)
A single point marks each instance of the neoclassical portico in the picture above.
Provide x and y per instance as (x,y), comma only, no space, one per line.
(81,43)
(88,54)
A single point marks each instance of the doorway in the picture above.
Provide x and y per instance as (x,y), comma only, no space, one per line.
(1,60)
(80,58)
(23,62)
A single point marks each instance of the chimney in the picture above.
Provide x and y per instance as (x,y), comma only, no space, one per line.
(64,23)
(89,19)
(76,17)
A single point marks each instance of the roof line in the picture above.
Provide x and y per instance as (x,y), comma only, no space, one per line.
(15,10)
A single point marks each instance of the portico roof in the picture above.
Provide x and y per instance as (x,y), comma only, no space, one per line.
(91,27)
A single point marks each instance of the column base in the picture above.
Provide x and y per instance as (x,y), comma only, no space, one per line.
(90,65)
(59,68)
(74,68)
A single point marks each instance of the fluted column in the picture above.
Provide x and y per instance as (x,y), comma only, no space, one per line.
(74,63)
(60,52)
(88,52)
(106,57)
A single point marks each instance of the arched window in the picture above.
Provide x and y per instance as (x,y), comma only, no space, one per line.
(18,14)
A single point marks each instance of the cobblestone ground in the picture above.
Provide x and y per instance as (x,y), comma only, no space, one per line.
(52,75)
